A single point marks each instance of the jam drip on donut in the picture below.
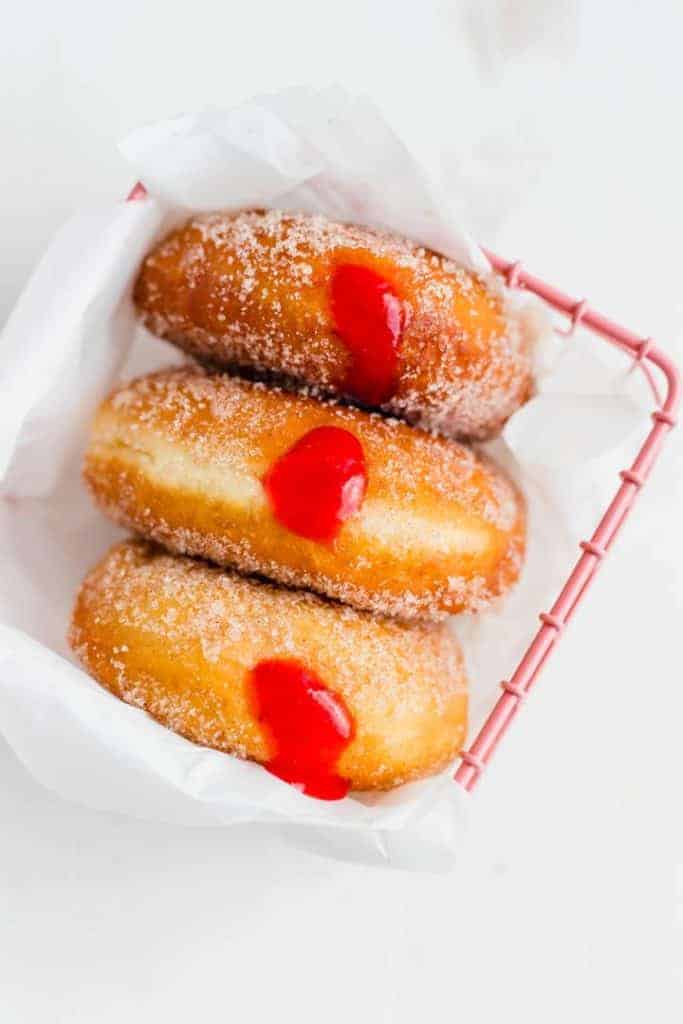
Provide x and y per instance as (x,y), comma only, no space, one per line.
(369,318)
(318,483)
(309,727)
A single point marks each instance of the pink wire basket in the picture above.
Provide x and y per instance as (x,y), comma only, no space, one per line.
(654,364)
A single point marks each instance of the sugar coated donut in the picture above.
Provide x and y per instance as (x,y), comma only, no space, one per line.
(353,311)
(312,494)
(326,697)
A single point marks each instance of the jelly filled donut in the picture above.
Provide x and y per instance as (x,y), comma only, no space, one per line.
(312,494)
(358,313)
(324,696)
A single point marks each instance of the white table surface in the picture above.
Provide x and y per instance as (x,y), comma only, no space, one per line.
(567,903)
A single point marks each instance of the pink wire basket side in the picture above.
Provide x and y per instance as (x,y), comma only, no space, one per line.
(646,356)
(649,359)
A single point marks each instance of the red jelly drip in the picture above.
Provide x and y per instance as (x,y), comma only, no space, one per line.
(309,727)
(369,318)
(318,483)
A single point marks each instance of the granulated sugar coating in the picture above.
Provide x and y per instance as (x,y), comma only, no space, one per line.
(180,456)
(254,290)
(180,639)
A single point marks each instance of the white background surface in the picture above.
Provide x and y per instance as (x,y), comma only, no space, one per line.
(568,901)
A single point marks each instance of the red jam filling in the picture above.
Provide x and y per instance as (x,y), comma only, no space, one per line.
(369,318)
(318,483)
(308,726)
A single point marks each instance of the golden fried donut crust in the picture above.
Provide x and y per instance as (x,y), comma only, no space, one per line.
(179,638)
(179,456)
(253,290)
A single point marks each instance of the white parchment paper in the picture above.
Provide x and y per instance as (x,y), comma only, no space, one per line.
(73,334)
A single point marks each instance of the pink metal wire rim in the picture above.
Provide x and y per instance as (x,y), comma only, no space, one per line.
(513,275)
(631,478)
(552,621)
(643,350)
(138,191)
(646,356)
(472,761)
(515,691)
(576,317)
(593,549)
